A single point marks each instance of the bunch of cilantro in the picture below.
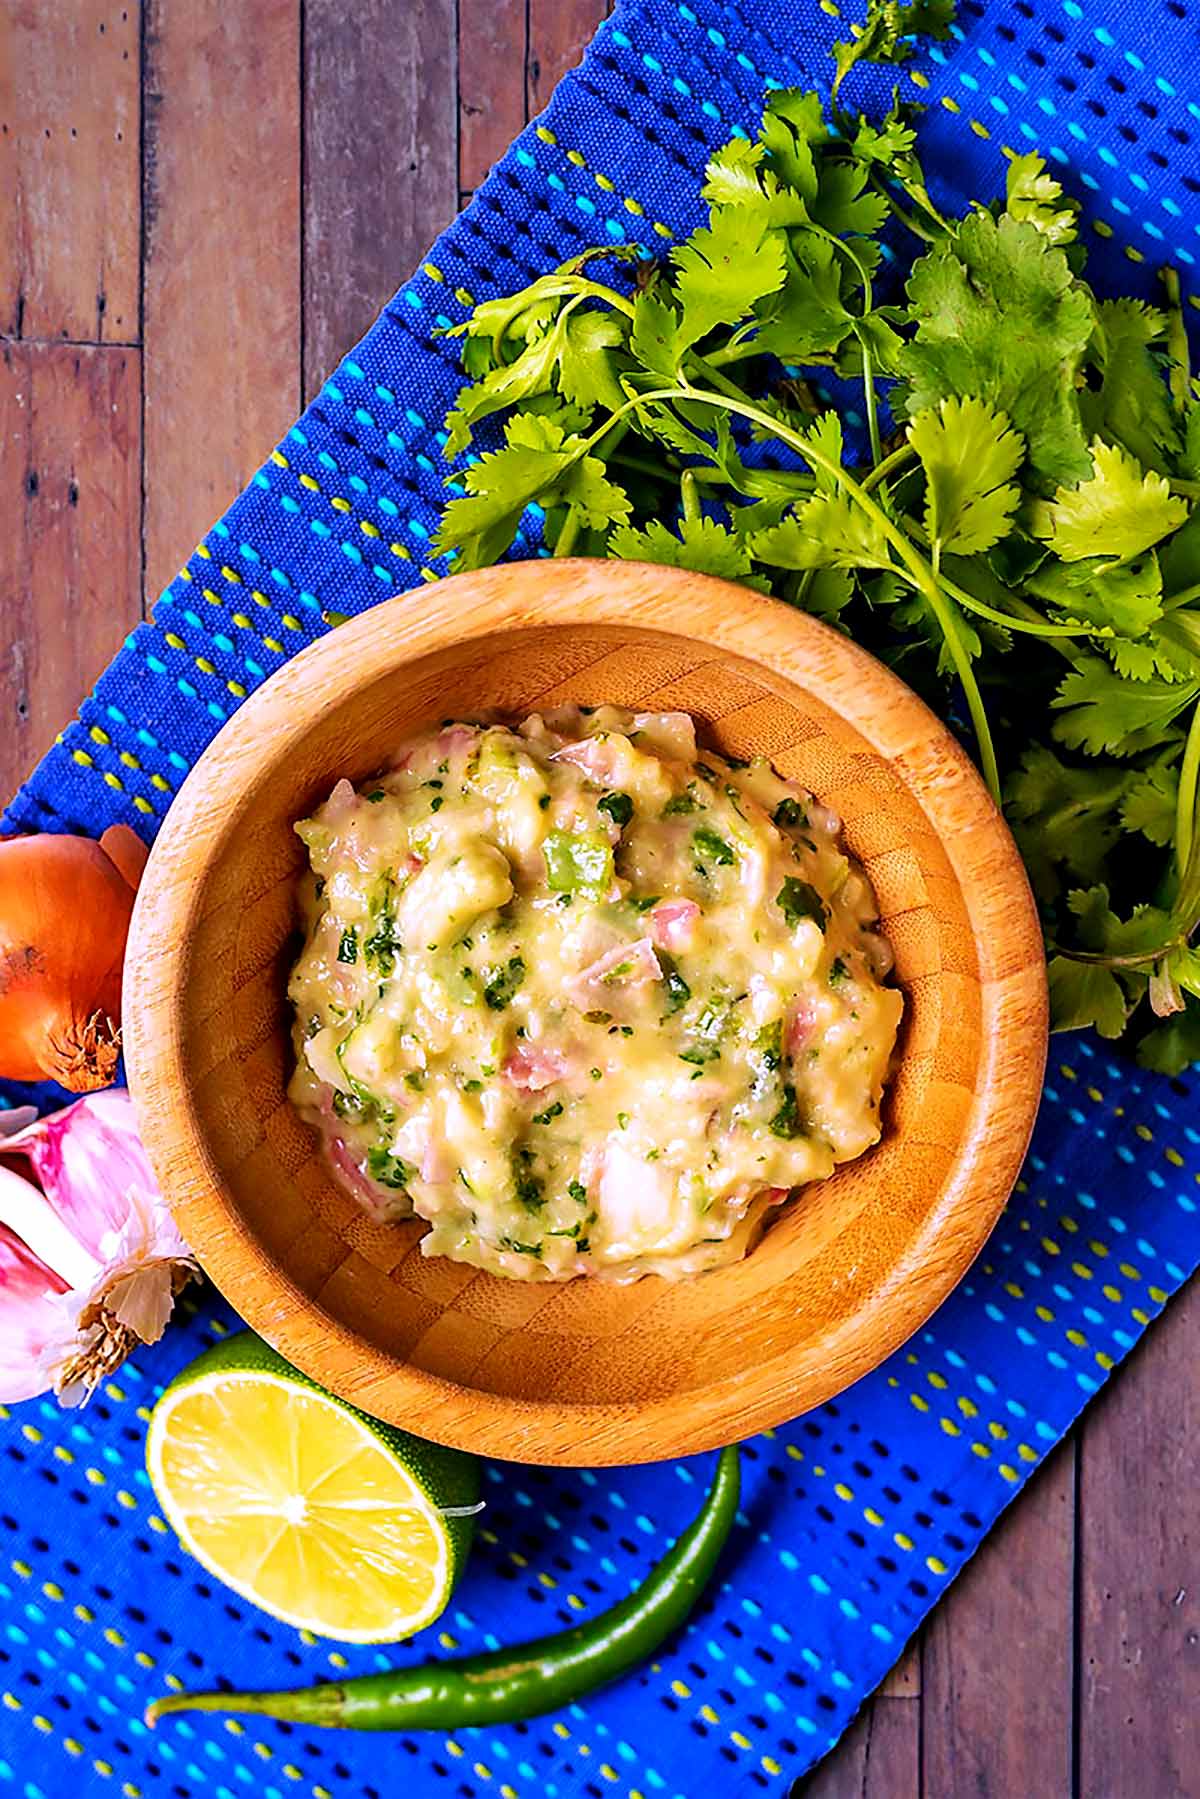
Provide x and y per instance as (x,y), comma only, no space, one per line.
(1020,526)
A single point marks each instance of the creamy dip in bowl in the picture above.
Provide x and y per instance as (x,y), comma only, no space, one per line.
(585,997)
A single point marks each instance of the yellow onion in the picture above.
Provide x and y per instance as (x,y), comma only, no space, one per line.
(65,904)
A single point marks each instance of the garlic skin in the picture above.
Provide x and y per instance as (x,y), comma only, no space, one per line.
(90,1257)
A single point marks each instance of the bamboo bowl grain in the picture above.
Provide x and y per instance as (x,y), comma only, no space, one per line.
(586,1372)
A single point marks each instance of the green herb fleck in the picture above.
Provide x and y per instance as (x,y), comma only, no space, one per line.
(790,814)
(552,1111)
(678,991)
(618,806)
(527,1185)
(348,947)
(787,1121)
(713,848)
(502,983)
(577,1191)
(520,1249)
(798,900)
(680,802)
(838,972)
(388,1169)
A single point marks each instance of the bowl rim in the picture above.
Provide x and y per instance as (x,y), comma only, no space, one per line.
(775,638)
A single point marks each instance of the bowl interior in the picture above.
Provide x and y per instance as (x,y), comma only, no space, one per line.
(824,1294)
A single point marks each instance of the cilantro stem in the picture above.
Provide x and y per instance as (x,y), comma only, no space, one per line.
(658,471)
(915,225)
(1185,805)
(868,379)
(569,532)
(691,499)
(1030,627)
(899,456)
(918,569)
(1178,349)
(1173,601)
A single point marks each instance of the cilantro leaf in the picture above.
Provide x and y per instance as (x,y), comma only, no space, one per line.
(587,373)
(732,175)
(1131,405)
(1121,597)
(701,544)
(1066,820)
(970,454)
(844,205)
(1120,510)
(654,337)
(890,142)
(889,26)
(792,124)
(724,269)
(540,462)
(1038,200)
(809,316)
(1000,316)
(1171,1047)
(1148,805)
(1101,711)
(1085,993)
(828,531)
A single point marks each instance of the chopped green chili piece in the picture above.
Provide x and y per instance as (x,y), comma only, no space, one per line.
(578,863)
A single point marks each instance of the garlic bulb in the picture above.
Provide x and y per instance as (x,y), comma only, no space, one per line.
(90,1258)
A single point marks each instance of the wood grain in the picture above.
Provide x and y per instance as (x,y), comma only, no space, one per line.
(997,1663)
(69,171)
(492,47)
(878,1758)
(222,258)
(585,1372)
(380,158)
(1139,1570)
(70,549)
(559,33)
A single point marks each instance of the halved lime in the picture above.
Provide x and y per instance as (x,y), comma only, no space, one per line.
(324,1517)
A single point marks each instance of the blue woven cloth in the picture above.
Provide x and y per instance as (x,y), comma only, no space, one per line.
(856,1518)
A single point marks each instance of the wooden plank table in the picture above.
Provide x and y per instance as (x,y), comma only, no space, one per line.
(201,208)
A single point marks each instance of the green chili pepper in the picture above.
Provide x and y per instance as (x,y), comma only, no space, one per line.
(509,1685)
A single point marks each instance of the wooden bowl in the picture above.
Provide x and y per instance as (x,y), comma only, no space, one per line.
(584,1372)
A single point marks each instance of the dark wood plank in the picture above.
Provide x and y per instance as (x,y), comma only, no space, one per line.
(1139,1574)
(997,1663)
(559,32)
(878,1758)
(69,178)
(904,1681)
(70,550)
(380,158)
(222,272)
(492,48)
